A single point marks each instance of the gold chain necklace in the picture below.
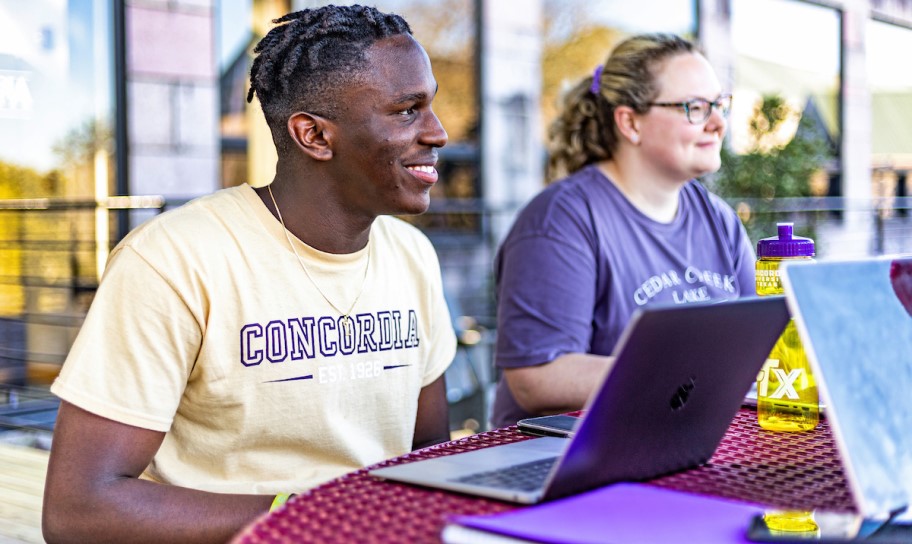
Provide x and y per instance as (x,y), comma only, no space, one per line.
(346,316)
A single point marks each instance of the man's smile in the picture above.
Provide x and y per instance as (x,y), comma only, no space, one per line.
(426,173)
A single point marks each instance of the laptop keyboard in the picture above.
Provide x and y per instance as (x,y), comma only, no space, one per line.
(525,477)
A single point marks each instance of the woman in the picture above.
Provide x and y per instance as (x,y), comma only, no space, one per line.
(627,226)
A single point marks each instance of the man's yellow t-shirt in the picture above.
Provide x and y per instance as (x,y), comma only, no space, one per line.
(206,327)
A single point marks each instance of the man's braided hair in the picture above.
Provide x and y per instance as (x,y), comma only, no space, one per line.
(310,54)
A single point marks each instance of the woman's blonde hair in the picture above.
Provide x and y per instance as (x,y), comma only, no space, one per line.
(585,132)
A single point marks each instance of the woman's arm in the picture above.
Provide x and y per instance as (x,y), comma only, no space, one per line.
(562,385)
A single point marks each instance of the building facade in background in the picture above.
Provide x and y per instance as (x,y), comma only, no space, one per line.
(137,98)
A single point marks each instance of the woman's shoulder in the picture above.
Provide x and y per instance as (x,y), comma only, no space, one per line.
(567,198)
(576,185)
(697,191)
(714,209)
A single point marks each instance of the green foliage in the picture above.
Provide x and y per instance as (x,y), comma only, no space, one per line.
(771,168)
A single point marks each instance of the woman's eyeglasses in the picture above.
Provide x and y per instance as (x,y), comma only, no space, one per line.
(698,110)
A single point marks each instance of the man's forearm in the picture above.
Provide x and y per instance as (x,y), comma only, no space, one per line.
(132,510)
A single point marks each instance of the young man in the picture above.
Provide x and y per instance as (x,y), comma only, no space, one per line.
(260,342)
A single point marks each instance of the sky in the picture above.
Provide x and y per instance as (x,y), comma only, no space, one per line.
(233,27)
(888,60)
(64,48)
(787,32)
(647,15)
(807,37)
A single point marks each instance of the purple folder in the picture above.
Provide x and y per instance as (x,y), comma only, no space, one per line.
(624,513)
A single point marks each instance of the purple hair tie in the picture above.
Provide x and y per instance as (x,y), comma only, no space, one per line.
(596,77)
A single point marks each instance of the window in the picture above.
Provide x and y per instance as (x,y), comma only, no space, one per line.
(56,143)
(891,108)
(799,62)
(579,35)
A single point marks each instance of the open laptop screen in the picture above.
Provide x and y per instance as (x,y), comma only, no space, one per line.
(855,319)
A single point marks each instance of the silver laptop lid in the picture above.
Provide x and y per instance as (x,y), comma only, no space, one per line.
(679,378)
(855,320)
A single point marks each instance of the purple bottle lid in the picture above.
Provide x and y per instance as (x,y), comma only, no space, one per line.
(785,245)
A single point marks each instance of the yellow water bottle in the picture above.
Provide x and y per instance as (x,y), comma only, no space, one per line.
(786,391)
(792,523)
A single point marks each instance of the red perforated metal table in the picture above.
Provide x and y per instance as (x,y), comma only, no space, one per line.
(787,470)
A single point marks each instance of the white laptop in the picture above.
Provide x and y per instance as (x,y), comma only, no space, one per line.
(855,320)
(679,377)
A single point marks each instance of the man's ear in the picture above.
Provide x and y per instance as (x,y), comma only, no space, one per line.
(312,134)
(627,123)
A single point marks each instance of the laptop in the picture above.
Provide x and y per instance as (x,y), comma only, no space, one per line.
(855,321)
(678,380)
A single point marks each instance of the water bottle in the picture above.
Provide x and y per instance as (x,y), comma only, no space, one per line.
(786,391)
(796,524)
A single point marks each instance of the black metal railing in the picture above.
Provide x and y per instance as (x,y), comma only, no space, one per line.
(49,254)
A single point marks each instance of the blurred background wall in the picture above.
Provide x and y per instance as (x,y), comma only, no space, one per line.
(113,111)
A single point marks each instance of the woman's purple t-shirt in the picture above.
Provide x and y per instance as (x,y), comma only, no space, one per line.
(580,258)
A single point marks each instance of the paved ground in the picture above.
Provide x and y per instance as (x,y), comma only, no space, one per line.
(22,472)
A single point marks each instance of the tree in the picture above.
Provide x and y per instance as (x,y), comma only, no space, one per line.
(773,165)
(568,58)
